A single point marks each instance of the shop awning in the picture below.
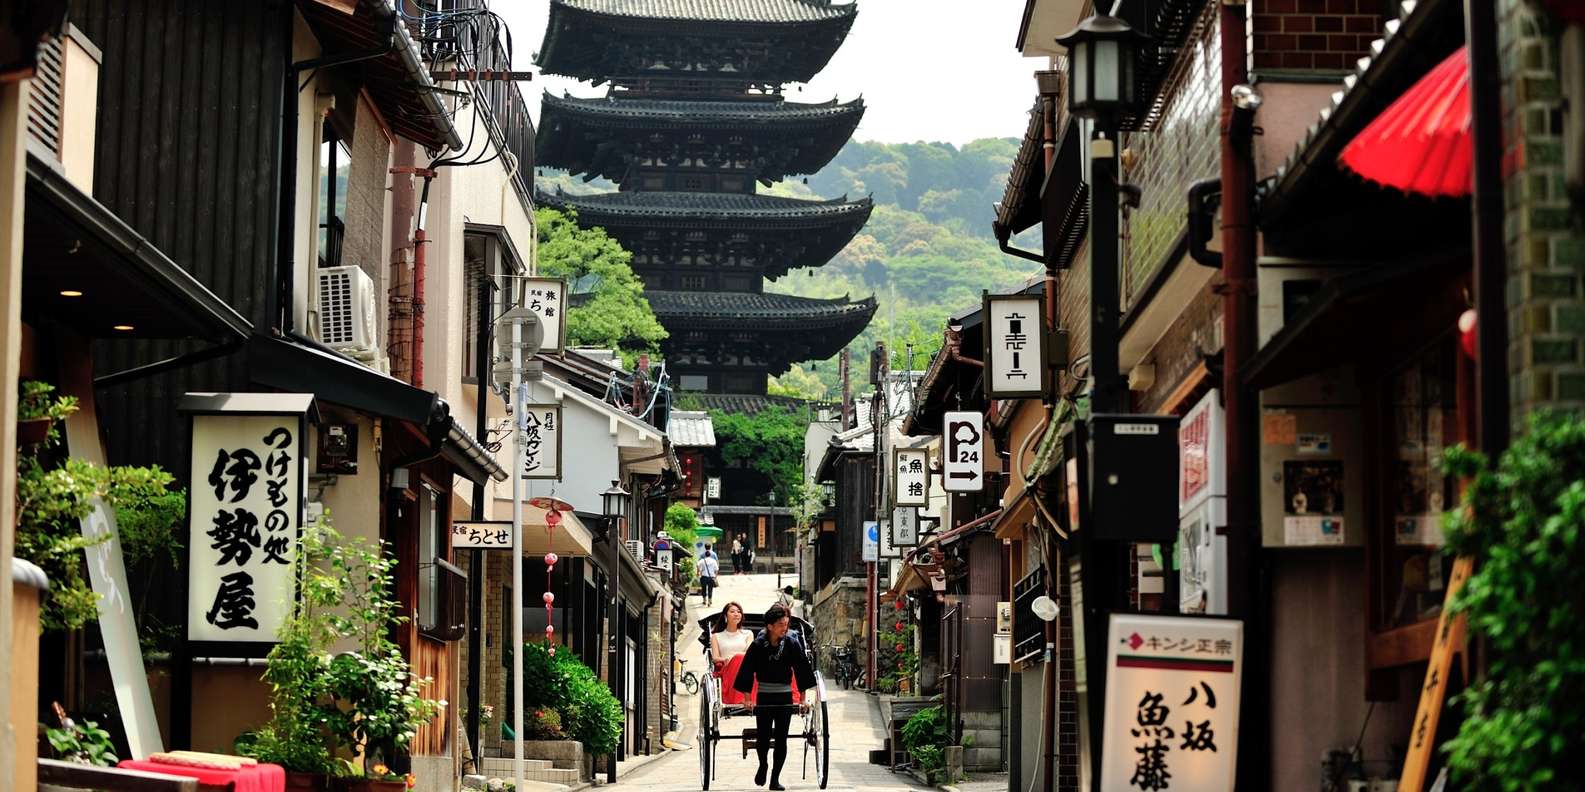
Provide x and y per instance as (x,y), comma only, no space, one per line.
(1347,320)
(86,269)
(301,366)
(1422,142)
(568,539)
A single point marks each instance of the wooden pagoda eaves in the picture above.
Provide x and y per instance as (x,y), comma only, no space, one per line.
(747,42)
(769,141)
(781,328)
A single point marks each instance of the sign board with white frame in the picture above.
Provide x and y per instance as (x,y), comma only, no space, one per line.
(911,484)
(905,526)
(547,298)
(962,449)
(481,534)
(888,548)
(712,488)
(541,425)
(872,541)
(246,508)
(1172,697)
(1015,340)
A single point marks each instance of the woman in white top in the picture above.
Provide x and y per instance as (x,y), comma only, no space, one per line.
(732,640)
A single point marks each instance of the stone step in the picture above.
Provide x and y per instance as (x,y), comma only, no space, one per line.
(553,776)
(502,768)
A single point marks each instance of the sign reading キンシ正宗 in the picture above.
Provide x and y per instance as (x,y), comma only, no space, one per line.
(1015,358)
(246,511)
(912,480)
(962,444)
(541,424)
(1172,690)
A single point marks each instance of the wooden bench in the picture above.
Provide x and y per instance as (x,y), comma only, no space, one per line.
(57,776)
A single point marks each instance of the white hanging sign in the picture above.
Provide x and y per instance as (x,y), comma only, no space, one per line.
(905,526)
(541,426)
(962,444)
(911,484)
(663,558)
(482,534)
(712,489)
(1172,691)
(1015,346)
(547,298)
(888,548)
(246,510)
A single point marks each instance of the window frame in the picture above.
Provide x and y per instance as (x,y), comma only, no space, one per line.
(503,262)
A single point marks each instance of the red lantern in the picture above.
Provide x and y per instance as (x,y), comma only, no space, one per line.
(899,626)
(899,647)
(1467,328)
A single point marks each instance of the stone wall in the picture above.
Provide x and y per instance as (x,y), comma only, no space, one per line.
(838,615)
(1546,243)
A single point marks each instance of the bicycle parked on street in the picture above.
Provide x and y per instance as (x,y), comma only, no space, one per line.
(847,671)
(690,680)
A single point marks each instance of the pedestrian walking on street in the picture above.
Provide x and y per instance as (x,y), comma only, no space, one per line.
(737,556)
(709,567)
(777,662)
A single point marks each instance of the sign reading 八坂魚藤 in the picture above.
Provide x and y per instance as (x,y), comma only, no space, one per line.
(547,298)
(246,510)
(962,444)
(911,484)
(1172,690)
(541,424)
(1015,359)
(481,534)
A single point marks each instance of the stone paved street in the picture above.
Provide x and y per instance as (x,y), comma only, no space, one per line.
(855,724)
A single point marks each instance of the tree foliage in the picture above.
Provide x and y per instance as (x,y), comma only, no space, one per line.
(1522,522)
(610,310)
(769,442)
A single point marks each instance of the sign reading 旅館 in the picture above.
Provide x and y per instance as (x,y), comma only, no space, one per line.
(1172,695)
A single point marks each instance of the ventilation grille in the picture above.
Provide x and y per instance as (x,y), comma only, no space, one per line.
(335,308)
(44,97)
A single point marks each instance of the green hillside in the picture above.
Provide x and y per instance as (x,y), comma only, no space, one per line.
(927,251)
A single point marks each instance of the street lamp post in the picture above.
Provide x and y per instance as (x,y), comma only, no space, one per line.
(775,547)
(522,327)
(613,504)
(1101,58)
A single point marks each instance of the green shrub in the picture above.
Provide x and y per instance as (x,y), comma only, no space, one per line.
(1522,523)
(589,712)
(544,724)
(925,739)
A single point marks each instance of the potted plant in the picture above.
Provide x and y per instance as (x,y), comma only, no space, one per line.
(375,778)
(37,412)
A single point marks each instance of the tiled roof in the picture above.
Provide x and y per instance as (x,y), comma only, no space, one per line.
(760,308)
(1362,95)
(717,10)
(701,112)
(703,205)
(748,403)
(691,429)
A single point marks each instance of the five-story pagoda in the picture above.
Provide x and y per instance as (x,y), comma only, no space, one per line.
(693,121)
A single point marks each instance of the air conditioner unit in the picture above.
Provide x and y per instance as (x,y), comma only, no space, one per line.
(346,310)
(636,548)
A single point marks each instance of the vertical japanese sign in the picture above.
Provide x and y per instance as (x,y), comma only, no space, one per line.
(888,548)
(1015,346)
(911,484)
(712,489)
(905,526)
(481,534)
(245,511)
(547,298)
(1172,690)
(962,444)
(541,441)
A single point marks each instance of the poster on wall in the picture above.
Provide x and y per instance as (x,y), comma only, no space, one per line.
(245,508)
(1312,501)
(911,485)
(541,425)
(1172,697)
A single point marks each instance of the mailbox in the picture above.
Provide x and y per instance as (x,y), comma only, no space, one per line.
(1133,477)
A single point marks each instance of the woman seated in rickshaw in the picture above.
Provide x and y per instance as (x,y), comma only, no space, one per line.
(731,640)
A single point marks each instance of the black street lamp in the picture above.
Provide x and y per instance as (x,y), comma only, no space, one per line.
(613,504)
(1102,52)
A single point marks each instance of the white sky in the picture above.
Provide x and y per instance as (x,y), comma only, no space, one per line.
(932,70)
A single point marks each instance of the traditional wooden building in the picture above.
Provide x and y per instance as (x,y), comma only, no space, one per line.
(693,121)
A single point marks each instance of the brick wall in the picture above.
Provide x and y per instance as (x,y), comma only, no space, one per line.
(364,243)
(1312,35)
(1067,686)
(1546,302)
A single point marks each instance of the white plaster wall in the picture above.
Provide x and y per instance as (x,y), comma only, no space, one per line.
(589,455)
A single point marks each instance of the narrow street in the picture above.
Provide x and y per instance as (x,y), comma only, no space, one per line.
(855,722)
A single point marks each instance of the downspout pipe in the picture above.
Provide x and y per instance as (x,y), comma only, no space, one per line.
(1048,698)
(1246,598)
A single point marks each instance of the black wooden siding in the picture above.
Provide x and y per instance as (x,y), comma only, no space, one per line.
(187,153)
(855,505)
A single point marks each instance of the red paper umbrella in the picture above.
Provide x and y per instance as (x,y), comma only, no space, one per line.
(1421,143)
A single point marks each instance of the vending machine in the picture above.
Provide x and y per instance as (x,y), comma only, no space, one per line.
(1202,509)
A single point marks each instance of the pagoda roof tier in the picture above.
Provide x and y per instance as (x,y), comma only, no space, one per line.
(784,233)
(770,140)
(820,328)
(763,42)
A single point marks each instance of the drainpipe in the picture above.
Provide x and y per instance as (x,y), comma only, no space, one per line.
(419,238)
(1490,265)
(1238,330)
(1050,86)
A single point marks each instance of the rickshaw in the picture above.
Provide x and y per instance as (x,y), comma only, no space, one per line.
(714,707)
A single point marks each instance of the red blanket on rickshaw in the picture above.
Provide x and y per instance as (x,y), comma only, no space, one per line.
(730,696)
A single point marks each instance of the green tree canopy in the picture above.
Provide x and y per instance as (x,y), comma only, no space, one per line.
(769,442)
(611,311)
